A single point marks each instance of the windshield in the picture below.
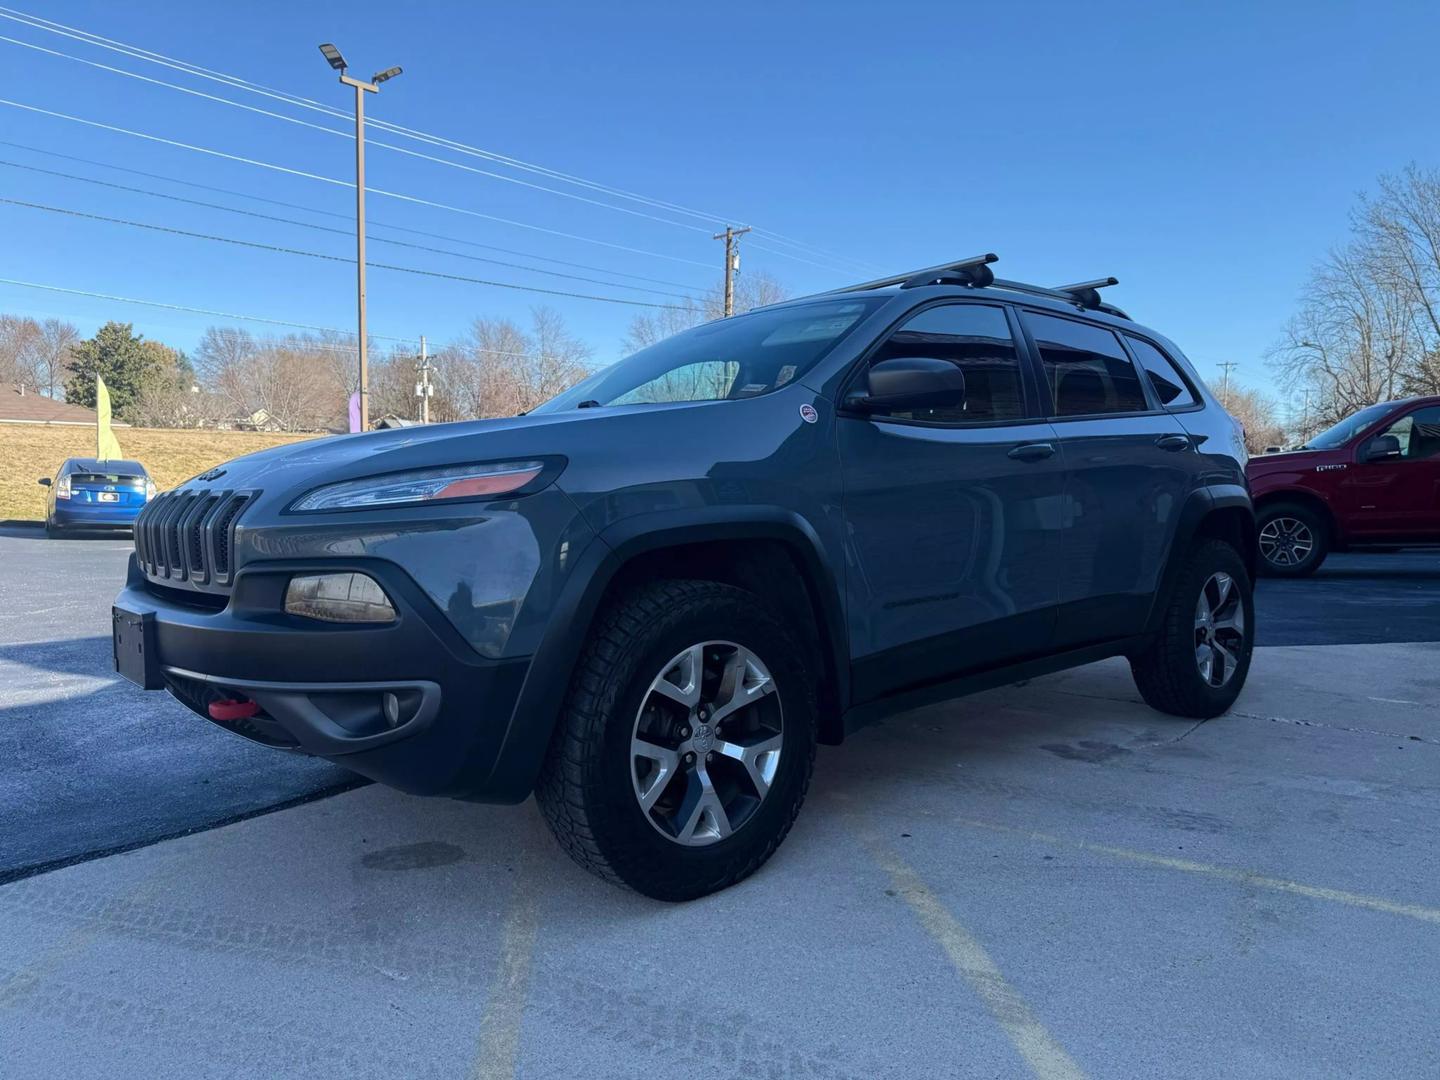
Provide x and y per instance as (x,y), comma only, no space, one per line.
(739,357)
(1348,428)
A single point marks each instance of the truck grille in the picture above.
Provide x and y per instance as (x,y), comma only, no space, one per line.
(189,535)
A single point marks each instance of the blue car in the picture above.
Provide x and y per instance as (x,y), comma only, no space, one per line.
(90,495)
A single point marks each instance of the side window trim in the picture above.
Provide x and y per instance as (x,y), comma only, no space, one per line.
(1033,413)
(1048,395)
(1195,405)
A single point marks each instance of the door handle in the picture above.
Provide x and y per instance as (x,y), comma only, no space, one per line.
(1034,451)
(1174,442)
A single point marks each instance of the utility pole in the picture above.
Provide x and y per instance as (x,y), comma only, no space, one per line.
(423,389)
(1225,381)
(731,236)
(1305,416)
(336,61)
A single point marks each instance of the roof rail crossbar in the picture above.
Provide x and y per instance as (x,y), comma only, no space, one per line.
(1087,293)
(972,271)
(1083,295)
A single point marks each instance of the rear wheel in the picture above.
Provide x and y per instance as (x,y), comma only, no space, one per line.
(1293,540)
(686,744)
(1197,664)
(52,531)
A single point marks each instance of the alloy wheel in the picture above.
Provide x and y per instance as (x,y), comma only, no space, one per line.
(1219,629)
(706,744)
(1286,541)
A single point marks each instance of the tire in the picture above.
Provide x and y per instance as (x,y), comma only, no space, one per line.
(52,532)
(1282,532)
(590,785)
(1169,673)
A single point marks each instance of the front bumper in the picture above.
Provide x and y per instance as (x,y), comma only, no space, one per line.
(320,686)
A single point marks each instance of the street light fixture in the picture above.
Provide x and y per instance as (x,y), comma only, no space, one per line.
(337,61)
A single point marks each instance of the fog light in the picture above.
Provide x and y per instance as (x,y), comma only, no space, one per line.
(339,598)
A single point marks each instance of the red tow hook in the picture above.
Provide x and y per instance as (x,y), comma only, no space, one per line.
(232,709)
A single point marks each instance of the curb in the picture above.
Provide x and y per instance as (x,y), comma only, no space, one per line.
(25,523)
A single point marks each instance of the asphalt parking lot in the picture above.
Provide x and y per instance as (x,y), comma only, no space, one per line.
(1047,879)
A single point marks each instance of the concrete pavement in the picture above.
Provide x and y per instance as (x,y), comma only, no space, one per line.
(1047,880)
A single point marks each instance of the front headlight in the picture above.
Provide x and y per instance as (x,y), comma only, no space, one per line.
(422,486)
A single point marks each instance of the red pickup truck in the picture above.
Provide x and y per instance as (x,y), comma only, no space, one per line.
(1372,480)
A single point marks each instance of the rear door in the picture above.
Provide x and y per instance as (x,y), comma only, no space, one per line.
(1129,467)
(1398,497)
(952,516)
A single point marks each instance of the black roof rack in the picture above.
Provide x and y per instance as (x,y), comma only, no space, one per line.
(976,273)
(1084,294)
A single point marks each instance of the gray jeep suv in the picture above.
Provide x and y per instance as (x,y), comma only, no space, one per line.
(648,600)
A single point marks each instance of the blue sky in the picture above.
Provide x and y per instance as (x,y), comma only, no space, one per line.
(1206,155)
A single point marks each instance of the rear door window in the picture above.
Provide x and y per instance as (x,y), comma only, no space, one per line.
(1171,388)
(1086,368)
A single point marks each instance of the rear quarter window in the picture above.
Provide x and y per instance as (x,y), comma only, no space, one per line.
(1171,387)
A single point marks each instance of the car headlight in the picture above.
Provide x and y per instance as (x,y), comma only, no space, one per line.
(422,486)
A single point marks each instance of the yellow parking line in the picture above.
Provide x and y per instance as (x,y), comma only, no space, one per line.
(498,1053)
(1046,1057)
(1239,876)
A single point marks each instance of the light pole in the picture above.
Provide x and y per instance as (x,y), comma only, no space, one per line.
(336,61)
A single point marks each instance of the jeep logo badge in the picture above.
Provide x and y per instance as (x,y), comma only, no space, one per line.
(213,474)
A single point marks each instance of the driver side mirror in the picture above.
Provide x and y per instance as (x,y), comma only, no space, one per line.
(1383,448)
(44,481)
(910,382)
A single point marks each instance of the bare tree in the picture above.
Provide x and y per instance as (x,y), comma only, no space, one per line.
(498,369)
(20,339)
(52,355)
(1258,415)
(1368,326)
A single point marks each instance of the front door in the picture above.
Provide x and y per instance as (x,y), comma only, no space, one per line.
(952,516)
(1398,497)
(1129,467)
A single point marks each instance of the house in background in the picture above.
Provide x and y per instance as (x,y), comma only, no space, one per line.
(23,405)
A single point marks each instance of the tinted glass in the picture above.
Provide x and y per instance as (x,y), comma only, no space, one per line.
(728,358)
(1169,384)
(1418,432)
(976,339)
(1087,369)
(1348,428)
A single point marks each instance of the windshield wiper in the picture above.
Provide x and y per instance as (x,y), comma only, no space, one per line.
(589,403)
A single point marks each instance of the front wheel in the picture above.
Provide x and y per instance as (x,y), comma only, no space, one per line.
(1293,540)
(1197,664)
(685,746)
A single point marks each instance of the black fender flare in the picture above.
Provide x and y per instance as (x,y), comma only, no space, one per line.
(532,723)
(1200,504)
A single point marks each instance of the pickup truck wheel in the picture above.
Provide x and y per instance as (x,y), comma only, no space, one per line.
(1293,540)
(1197,664)
(686,744)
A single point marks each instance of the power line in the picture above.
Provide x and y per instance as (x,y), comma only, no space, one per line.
(340,232)
(150,56)
(195,310)
(344,134)
(345,217)
(278,249)
(340,183)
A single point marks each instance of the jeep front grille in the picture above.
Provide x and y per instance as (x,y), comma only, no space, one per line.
(189,535)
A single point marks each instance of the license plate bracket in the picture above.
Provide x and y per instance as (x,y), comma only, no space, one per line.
(109,496)
(136,657)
